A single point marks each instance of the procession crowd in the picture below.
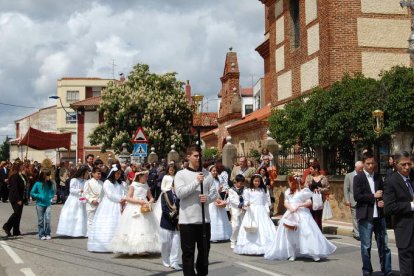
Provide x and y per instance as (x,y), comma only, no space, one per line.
(172,208)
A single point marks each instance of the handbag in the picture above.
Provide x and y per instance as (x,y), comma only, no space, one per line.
(317,203)
(291,221)
(146,208)
(327,210)
(251,225)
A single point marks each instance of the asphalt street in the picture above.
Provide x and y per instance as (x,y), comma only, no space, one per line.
(30,256)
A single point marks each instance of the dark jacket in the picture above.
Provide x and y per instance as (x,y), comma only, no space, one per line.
(3,175)
(169,219)
(364,197)
(17,188)
(397,199)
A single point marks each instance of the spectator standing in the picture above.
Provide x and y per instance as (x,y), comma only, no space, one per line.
(349,196)
(4,174)
(317,183)
(17,183)
(244,170)
(43,192)
(368,190)
(398,199)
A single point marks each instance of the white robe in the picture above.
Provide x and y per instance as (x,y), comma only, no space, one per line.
(73,218)
(106,218)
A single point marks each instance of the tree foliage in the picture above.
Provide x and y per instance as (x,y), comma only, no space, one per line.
(155,102)
(5,150)
(341,115)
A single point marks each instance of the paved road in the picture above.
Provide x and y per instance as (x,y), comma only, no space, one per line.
(68,256)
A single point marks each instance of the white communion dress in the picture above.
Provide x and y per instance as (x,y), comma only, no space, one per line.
(306,241)
(256,242)
(106,218)
(137,232)
(73,220)
(220,226)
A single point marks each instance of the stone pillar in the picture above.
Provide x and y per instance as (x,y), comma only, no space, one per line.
(152,157)
(173,155)
(229,153)
(124,156)
(272,146)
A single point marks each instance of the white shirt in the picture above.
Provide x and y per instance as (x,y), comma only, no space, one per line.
(372,186)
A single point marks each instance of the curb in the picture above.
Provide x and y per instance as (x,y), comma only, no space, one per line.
(331,227)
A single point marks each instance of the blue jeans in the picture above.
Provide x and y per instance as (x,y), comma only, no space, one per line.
(366,228)
(43,220)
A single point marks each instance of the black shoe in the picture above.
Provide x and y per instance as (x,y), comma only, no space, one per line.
(7,231)
(357,238)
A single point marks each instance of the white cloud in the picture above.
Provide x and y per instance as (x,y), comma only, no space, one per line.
(44,41)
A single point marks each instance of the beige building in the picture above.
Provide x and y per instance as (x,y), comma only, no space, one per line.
(69,91)
(45,120)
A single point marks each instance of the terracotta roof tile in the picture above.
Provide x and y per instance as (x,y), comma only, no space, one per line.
(247,92)
(94,101)
(80,78)
(258,115)
(207,119)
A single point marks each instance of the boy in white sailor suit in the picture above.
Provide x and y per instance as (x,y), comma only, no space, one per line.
(235,201)
(93,194)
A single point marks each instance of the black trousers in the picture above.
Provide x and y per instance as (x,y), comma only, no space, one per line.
(406,258)
(14,220)
(4,192)
(192,235)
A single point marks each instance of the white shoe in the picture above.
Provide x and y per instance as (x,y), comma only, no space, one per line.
(43,238)
(232,244)
(176,267)
(316,259)
(48,237)
(292,259)
(165,264)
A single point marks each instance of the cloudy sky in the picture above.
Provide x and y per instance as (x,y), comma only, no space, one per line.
(44,40)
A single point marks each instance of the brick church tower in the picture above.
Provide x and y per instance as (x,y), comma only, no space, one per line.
(230,105)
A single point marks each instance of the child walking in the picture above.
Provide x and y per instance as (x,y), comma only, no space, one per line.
(257,230)
(235,201)
(137,232)
(169,233)
(43,192)
(93,194)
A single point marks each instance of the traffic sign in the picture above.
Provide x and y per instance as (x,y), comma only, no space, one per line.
(139,136)
(140,150)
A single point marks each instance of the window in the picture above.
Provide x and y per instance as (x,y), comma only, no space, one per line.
(72,96)
(248,108)
(71,118)
(96,91)
(294,24)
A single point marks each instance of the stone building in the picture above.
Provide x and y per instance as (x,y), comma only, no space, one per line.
(309,43)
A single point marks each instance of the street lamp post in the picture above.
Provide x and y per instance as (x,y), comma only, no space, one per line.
(410,4)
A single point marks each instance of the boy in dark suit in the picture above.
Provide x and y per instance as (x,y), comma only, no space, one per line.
(398,198)
(368,189)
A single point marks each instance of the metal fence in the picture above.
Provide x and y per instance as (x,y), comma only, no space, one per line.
(293,159)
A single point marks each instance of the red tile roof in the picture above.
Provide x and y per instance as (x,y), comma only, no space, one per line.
(80,78)
(247,92)
(94,101)
(258,115)
(205,119)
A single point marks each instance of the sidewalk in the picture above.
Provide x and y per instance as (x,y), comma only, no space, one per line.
(342,228)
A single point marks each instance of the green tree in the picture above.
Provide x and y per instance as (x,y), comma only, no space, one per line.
(155,102)
(5,150)
(341,115)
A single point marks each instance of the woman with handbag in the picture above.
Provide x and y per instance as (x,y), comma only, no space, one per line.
(220,225)
(318,184)
(298,234)
(138,229)
(257,229)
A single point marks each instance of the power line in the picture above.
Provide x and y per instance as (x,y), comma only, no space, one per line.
(14,105)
